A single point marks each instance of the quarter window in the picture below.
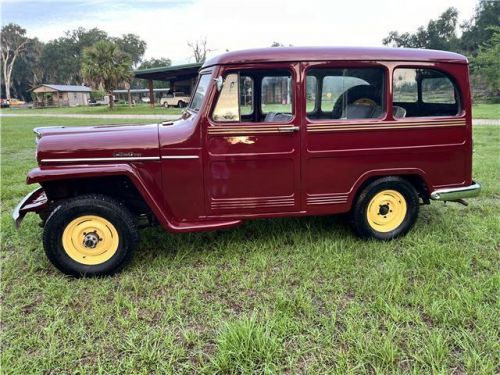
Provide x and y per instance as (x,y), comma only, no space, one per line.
(345,94)
(423,93)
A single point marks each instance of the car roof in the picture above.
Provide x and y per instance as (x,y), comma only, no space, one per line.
(289,54)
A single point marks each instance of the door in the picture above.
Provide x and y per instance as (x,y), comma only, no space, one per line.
(252,143)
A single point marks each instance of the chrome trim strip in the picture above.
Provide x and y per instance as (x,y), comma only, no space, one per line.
(74,160)
(180,157)
(451,194)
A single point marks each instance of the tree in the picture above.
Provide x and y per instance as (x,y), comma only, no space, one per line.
(28,72)
(106,66)
(133,45)
(439,34)
(62,57)
(199,49)
(155,63)
(481,27)
(486,64)
(14,44)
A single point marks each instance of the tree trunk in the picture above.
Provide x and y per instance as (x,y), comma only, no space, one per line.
(111,104)
(129,97)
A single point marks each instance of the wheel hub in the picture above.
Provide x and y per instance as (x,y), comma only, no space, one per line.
(90,240)
(383,209)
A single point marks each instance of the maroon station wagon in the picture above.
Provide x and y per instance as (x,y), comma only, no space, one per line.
(268,133)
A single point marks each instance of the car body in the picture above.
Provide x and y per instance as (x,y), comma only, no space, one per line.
(16,102)
(4,103)
(269,133)
(175,99)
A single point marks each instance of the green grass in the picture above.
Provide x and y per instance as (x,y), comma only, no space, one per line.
(296,295)
(119,109)
(486,111)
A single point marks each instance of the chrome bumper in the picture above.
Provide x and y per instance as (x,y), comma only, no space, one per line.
(453,194)
(32,202)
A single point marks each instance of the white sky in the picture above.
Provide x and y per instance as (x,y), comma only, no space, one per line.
(167,25)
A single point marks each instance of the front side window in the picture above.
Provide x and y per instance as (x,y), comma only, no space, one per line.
(345,94)
(255,96)
(201,91)
(423,93)
(276,94)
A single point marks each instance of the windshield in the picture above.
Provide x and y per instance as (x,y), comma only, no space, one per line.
(200,93)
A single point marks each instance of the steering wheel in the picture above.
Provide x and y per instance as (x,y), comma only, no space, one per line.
(361,94)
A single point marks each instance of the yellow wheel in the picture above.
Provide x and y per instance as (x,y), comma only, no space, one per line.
(386,211)
(90,235)
(90,240)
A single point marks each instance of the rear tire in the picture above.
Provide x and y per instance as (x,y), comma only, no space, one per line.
(385,209)
(181,104)
(91,235)
(165,105)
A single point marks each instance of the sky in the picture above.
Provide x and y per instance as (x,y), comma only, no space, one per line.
(167,25)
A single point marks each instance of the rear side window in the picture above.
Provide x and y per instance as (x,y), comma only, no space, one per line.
(345,94)
(424,93)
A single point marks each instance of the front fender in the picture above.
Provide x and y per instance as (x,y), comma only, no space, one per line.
(154,201)
(144,183)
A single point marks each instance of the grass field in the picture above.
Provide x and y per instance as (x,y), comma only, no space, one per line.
(486,111)
(479,111)
(299,295)
(119,109)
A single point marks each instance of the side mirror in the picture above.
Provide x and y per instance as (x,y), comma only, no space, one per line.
(219,82)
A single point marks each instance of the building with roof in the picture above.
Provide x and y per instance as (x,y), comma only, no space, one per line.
(48,95)
(180,78)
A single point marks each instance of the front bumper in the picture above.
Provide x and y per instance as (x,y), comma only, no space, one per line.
(453,194)
(32,202)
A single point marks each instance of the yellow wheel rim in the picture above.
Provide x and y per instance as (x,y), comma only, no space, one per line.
(90,240)
(386,211)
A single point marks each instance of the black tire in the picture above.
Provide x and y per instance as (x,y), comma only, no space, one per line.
(104,208)
(359,214)
(165,105)
(181,104)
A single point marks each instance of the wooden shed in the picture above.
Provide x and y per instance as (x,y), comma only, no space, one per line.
(61,95)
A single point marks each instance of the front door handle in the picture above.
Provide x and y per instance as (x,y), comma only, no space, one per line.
(289,129)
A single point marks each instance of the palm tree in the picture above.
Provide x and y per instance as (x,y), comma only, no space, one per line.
(106,66)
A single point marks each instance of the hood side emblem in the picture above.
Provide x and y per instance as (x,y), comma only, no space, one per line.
(126,154)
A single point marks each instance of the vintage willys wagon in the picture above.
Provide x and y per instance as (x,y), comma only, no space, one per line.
(268,133)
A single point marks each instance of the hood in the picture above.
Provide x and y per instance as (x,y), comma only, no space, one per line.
(61,144)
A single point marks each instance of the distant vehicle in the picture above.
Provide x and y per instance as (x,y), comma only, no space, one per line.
(175,99)
(274,132)
(16,102)
(4,103)
(145,99)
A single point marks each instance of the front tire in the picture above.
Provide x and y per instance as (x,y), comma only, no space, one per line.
(181,104)
(91,235)
(387,208)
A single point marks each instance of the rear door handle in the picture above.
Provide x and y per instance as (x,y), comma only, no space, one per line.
(289,129)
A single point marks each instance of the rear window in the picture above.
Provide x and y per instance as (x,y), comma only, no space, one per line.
(424,93)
